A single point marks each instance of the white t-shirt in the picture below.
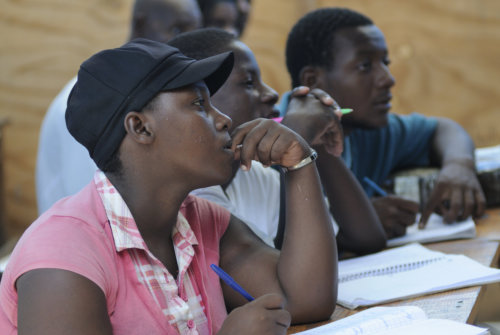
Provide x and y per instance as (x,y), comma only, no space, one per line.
(254,197)
(63,165)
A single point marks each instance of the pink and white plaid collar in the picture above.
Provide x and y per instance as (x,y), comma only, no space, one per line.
(126,235)
(180,301)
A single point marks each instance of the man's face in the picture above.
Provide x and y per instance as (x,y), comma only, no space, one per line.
(244,96)
(359,77)
(167,19)
(244,7)
(223,15)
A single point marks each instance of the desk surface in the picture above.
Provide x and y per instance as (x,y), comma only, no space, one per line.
(489,226)
(459,305)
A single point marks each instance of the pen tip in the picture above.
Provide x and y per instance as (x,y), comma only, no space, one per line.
(346,110)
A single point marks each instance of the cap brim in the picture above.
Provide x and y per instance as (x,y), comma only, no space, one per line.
(213,70)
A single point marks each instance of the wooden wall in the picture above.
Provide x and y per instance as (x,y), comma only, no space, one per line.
(445,56)
(42,45)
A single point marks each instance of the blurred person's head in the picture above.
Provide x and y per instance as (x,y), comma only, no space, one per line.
(244,96)
(160,20)
(343,53)
(221,14)
(244,7)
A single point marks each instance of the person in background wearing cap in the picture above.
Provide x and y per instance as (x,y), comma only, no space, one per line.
(257,196)
(131,252)
(63,166)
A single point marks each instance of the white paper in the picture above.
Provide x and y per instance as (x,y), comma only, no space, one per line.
(406,320)
(436,230)
(487,158)
(434,272)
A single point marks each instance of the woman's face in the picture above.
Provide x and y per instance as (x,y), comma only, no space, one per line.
(244,96)
(192,136)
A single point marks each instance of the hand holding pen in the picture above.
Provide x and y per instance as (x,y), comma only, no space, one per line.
(248,318)
(395,213)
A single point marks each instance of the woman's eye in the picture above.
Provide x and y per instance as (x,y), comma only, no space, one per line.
(199,102)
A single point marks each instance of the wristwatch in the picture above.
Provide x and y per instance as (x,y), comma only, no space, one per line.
(306,161)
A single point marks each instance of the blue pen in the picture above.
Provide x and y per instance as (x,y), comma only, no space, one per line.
(375,187)
(230,281)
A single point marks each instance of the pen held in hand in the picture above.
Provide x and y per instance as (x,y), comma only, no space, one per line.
(422,222)
(375,187)
(346,110)
(231,282)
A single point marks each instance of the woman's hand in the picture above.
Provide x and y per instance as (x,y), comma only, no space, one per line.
(268,142)
(264,315)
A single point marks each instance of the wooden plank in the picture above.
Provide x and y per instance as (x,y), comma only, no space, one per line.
(43,44)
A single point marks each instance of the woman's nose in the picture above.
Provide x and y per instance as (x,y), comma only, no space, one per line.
(222,121)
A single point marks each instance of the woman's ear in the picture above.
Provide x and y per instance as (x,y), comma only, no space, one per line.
(138,126)
(309,76)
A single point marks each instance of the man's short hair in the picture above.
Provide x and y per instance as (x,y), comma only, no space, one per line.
(203,43)
(310,42)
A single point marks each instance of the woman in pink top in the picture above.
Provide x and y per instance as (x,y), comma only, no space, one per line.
(131,253)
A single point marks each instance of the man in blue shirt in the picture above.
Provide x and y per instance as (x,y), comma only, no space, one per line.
(343,53)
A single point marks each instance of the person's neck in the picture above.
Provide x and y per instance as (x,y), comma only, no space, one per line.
(153,205)
(235,167)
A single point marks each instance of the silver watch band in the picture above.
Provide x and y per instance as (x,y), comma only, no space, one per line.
(306,161)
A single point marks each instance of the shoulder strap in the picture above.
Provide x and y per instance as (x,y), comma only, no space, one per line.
(278,240)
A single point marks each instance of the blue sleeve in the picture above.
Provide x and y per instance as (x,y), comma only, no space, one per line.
(403,143)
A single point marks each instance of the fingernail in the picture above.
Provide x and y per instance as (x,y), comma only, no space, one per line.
(244,167)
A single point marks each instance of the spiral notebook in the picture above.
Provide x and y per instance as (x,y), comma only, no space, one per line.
(404,272)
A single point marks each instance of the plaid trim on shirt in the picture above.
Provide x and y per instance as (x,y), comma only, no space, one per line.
(181,301)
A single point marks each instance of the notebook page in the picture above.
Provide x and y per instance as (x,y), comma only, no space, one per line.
(371,321)
(453,271)
(387,261)
(438,327)
(435,230)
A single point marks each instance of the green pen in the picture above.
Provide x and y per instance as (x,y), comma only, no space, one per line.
(346,110)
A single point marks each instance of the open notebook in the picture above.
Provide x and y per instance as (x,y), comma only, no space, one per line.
(404,272)
(435,230)
(408,320)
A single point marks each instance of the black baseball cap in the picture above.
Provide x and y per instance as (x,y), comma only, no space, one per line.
(114,82)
